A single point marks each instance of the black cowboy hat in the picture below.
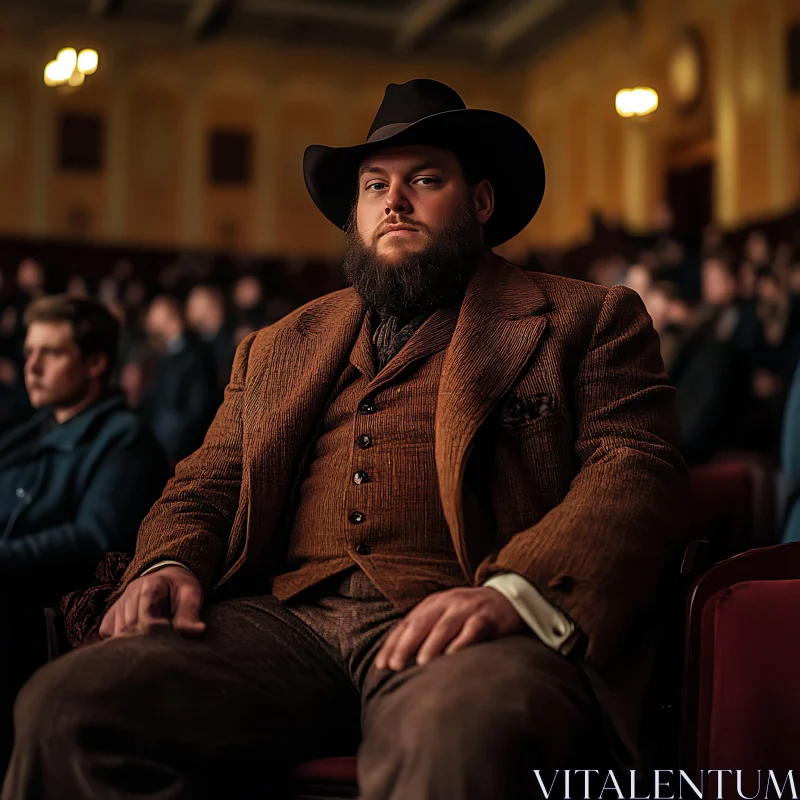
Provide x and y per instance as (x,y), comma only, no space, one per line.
(422,111)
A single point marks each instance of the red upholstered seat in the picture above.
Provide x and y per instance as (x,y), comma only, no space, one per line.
(741,697)
(749,690)
(333,778)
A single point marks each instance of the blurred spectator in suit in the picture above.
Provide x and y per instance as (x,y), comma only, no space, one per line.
(205,313)
(672,319)
(75,480)
(712,367)
(183,397)
(249,312)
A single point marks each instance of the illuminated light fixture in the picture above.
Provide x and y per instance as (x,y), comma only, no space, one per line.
(70,67)
(636,102)
(87,61)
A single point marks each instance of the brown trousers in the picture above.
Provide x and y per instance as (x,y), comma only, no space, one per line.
(268,685)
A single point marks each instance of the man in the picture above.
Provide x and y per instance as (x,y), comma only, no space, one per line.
(713,366)
(205,313)
(80,475)
(183,397)
(76,480)
(432,511)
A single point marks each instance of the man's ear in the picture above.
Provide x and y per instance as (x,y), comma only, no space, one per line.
(483,200)
(96,365)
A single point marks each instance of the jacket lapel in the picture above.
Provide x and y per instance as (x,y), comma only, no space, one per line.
(498,329)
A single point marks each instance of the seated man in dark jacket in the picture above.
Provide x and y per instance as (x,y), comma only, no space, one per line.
(75,480)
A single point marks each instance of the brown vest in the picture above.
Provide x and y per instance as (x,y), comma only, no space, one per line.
(371,494)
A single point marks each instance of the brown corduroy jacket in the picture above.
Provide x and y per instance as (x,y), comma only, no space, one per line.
(587,498)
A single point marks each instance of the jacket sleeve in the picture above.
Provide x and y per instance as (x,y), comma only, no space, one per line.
(192,520)
(122,487)
(599,554)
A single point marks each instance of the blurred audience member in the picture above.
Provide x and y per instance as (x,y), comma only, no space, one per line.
(711,240)
(183,397)
(756,250)
(77,286)
(639,278)
(249,313)
(205,313)
(137,373)
(61,509)
(711,371)
(671,317)
(31,279)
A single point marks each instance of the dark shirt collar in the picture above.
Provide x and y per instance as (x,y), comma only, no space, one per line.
(69,434)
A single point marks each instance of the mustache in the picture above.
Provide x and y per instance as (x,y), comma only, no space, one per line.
(398,219)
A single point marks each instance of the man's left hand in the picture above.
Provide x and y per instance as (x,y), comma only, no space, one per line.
(445,622)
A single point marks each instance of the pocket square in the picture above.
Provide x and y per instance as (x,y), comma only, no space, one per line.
(518,410)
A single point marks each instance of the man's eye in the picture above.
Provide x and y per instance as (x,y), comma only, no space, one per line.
(377,185)
(427,181)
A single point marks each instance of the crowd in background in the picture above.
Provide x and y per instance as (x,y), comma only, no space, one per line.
(727,310)
(179,335)
(729,323)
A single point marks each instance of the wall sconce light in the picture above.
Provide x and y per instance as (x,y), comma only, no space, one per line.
(70,67)
(638,102)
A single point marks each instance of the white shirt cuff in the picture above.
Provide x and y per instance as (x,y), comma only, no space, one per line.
(161,564)
(552,626)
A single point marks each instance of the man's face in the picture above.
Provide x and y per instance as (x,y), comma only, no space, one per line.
(56,373)
(406,195)
(415,236)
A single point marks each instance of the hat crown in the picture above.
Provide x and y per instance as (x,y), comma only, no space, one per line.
(405,103)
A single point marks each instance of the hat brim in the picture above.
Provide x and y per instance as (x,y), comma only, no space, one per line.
(508,156)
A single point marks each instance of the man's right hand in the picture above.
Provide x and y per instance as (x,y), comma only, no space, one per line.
(169,596)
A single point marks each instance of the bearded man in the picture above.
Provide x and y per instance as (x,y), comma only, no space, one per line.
(431,514)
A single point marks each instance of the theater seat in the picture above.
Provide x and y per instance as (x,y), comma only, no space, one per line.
(732,505)
(329,778)
(741,699)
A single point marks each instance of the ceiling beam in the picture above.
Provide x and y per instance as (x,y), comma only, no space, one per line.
(324,11)
(207,17)
(420,20)
(518,20)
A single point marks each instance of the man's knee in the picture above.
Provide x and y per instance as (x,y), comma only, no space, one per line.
(520,700)
(83,685)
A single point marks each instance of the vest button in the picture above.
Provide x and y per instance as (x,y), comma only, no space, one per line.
(360,477)
(356,517)
(363,549)
(366,407)
(364,441)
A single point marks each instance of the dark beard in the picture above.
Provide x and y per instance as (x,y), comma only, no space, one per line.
(434,277)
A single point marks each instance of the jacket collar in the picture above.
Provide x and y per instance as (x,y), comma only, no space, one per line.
(68,435)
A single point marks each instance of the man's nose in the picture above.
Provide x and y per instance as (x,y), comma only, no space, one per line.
(397,201)
(34,364)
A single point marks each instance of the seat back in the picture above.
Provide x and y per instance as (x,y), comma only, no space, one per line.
(716,606)
(733,505)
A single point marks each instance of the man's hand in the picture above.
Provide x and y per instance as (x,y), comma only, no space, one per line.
(448,621)
(170,596)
